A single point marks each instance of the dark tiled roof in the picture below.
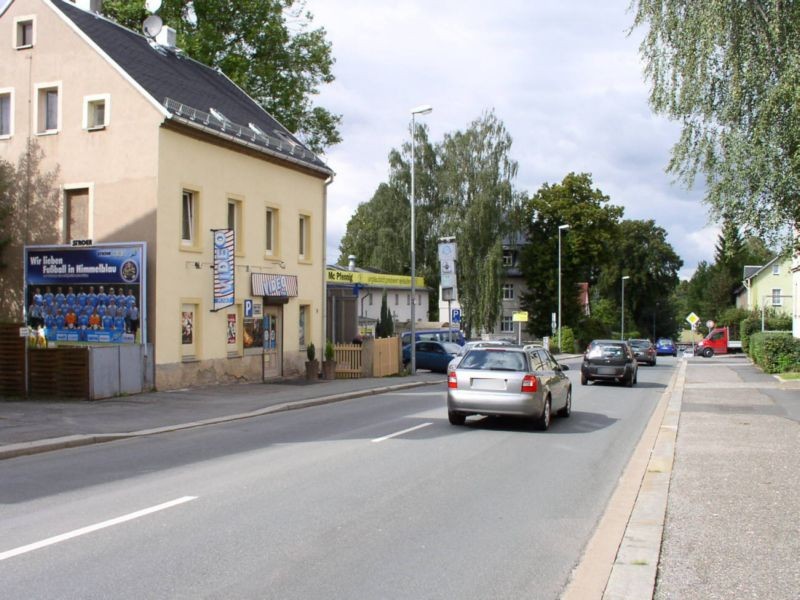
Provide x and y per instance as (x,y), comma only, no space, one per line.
(190,90)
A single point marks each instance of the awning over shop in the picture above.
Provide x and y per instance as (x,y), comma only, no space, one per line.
(280,286)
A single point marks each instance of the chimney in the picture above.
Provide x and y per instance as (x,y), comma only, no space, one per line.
(94,6)
(351,264)
(167,37)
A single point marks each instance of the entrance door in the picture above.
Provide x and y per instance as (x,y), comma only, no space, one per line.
(273,338)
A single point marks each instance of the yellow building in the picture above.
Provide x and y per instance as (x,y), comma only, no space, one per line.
(152,146)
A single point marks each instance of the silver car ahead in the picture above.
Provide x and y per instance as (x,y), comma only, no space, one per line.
(508,381)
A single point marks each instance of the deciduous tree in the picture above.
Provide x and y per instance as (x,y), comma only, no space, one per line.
(729,72)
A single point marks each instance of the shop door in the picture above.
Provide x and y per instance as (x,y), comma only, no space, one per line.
(273,346)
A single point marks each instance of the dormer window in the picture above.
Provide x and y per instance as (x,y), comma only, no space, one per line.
(24,32)
(96,112)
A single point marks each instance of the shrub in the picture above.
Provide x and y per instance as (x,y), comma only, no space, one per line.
(567,340)
(589,329)
(311,352)
(772,322)
(329,353)
(775,352)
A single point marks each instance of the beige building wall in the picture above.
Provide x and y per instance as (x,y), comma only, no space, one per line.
(135,170)
(215,175)
(122,183)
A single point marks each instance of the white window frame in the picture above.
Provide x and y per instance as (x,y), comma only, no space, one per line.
(88,103)
(506,324)
(10,93)
(238,221)
(271,231)
(776,269)
(304,237)
(191,241)
(19,22)
(777,299)
(508,258)
(508,291)
(44,88)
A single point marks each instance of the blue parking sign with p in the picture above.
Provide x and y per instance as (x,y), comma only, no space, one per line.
(248,309)
(456,315)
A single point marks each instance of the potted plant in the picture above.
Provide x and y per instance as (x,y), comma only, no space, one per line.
(312,364)
(329,364)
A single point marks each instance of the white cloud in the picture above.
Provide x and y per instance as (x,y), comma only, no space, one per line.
(565,77)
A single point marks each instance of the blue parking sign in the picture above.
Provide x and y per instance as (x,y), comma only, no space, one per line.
(456,315)
(248,309)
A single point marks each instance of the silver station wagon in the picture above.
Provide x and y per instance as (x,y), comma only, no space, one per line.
(508,381)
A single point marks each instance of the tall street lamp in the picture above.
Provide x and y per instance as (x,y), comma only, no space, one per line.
(560,229)
(622,327)
(420,110)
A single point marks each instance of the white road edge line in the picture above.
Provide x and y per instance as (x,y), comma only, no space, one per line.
(91,528)
(391,435)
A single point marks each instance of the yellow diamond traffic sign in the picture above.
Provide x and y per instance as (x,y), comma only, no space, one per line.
(693,319)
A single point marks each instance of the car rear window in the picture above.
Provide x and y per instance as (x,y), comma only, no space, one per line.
(640,343)
(494,360)
(606,351)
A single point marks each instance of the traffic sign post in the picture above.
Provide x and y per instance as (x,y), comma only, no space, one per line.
(519,317)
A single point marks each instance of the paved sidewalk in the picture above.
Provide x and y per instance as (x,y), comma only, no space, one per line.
(733,516)
(33,426)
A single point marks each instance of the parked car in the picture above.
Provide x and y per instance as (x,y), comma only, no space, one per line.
(666,347)
(644,351)
(509,381)
(609,360)
(434,335)
(434,356)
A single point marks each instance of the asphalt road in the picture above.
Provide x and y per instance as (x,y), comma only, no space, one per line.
(377,497)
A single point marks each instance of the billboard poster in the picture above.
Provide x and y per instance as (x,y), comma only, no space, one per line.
(86,294)
(224,268)
(231,329)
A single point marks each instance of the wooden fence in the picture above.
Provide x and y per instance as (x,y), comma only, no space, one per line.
(373,358)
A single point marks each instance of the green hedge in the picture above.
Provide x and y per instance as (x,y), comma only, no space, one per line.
(752,325)
(775,351)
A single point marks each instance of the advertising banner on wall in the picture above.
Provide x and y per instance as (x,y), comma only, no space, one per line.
(87,294)
(224,268)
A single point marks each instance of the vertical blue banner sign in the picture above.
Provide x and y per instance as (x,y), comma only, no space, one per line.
(224,268)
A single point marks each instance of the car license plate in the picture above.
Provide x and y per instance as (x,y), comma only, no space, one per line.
(493,385)
(607,370)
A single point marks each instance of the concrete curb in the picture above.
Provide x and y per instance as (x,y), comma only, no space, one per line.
(74,441)
(636,566)
(591,578)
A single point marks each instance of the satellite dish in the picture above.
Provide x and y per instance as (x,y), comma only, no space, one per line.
(152,26)
(152,5)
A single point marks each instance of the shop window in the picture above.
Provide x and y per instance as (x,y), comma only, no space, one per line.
(188,332)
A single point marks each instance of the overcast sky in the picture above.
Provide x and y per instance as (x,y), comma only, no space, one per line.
(563,75)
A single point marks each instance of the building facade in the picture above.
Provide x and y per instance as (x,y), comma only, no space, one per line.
(768,286)
(151,146)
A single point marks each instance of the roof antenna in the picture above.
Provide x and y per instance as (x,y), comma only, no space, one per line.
(152,25)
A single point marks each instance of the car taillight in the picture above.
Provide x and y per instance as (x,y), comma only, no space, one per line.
(452,380)
(529,383)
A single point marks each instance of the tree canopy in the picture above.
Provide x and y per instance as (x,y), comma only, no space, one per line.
(729,72)
(464,189)
(267,47)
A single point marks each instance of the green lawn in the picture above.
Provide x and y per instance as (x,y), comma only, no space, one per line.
(790,376)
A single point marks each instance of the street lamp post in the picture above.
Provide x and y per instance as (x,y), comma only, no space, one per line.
(622,326)
(420,110)
(560,229)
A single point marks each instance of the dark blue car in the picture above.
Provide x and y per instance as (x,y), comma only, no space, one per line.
(665,346)
(433,356)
